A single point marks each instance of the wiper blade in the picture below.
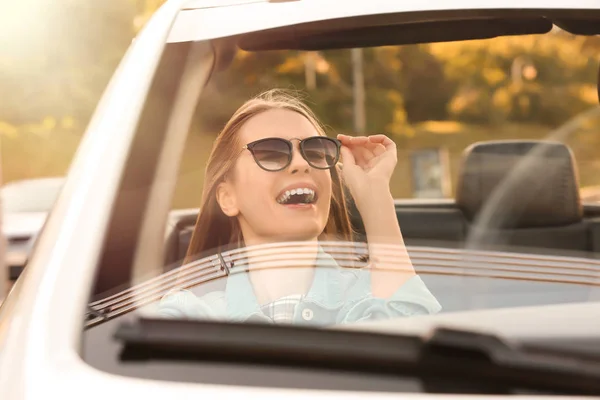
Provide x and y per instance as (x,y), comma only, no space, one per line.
(94,314)
(448,361)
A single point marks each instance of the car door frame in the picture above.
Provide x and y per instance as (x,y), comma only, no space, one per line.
(116,182)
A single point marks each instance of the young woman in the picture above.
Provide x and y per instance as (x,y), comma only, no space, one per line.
(273,176)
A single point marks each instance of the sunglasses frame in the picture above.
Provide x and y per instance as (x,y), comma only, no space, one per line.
(250,147)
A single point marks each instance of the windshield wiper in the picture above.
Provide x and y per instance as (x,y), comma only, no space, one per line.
(94,314)
(448,361)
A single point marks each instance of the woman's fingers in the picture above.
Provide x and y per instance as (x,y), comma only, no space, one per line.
(354,146)
(383,140)
(371,142)
(383,145)
(359,156)
(366,156)
(377,148)
(344,138)
(366,149)
(352,140)
(347,156)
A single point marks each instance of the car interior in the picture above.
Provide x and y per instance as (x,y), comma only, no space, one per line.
(496,207)
(536,213)
(530,215)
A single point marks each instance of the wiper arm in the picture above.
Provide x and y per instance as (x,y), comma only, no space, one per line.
(448,361)
(94,314)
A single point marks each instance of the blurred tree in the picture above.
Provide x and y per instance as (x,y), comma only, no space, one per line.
(536,78)
(58,55)
(425,89)
(58,59)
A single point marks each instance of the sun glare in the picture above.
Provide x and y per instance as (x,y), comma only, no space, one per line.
(23,24)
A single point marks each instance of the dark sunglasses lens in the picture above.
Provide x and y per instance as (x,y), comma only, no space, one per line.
(272,154)
(321,152)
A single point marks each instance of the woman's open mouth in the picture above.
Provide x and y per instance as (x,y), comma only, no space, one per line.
(298,196)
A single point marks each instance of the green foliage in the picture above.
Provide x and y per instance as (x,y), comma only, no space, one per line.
(541,79)
(425,87)
(53,73)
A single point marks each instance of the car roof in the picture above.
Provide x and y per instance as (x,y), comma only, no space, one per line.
(210,19)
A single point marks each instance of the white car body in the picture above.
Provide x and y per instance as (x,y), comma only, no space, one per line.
(41,328)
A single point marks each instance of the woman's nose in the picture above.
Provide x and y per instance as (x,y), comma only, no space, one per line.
(298,164)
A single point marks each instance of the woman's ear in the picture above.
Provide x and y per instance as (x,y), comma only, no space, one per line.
(227,199)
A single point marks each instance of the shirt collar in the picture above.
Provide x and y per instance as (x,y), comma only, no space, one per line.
(326,289)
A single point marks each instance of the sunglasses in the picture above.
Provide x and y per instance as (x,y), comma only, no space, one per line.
(275,154)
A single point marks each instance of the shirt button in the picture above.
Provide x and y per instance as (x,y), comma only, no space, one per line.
(307,314)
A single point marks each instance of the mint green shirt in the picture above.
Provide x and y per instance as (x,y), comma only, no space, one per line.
(337,296)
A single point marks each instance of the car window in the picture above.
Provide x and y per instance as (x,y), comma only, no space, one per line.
(347,188)
(516,114)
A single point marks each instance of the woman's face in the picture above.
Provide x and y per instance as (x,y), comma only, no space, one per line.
(255,196)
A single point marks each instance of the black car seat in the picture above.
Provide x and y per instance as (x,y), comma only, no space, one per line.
(521,195)
(539,210)
(178,239)
(438,223)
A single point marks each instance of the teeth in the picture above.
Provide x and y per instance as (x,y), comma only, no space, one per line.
(286,196)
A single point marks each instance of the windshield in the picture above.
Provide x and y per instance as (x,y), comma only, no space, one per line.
(385,190)
(346,186)
(36,195)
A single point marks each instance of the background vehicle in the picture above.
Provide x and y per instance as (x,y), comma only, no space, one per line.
(103,252)
(26,205)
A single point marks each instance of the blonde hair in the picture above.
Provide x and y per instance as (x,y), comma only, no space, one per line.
(216,231)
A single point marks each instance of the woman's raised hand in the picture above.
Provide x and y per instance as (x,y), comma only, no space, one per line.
(368,163)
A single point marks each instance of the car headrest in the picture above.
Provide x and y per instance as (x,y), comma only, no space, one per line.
(537,183)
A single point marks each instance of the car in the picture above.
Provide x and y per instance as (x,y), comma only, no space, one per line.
(517,280)
(25,206)
(591,194)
